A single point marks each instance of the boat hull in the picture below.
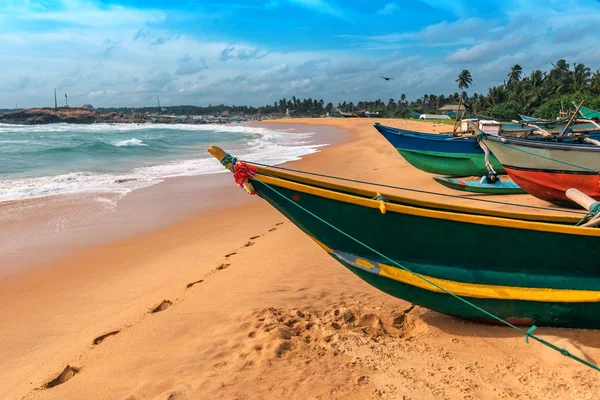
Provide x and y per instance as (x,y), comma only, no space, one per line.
(552,185)
(439,154)
(557,284)
(548,170)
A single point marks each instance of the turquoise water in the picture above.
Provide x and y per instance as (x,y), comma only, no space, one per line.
(37,161)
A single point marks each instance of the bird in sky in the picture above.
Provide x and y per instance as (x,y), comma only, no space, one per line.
(386,78)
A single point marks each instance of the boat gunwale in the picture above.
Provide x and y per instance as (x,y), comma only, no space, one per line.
(536,144)
(358,191)
(442,136)
(552,171)
(499,221)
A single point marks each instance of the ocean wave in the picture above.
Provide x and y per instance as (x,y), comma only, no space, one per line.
(108,128)
(130,143)
(250,143)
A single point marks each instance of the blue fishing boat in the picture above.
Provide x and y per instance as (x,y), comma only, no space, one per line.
(525,118)
(440,154)
(482,185)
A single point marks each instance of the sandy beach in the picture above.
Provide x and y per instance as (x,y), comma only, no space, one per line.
(234,302)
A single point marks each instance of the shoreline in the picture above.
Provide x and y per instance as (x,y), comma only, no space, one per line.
(58,225)
(222,337)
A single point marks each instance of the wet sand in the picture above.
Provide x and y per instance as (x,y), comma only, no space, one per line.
(40,230)
(248,307)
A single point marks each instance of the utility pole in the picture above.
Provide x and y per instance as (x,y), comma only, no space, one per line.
(55,103)
(66,100)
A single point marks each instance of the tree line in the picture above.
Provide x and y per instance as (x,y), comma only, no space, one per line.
(541,94)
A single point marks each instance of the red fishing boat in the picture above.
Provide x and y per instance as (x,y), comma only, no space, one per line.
(547,170)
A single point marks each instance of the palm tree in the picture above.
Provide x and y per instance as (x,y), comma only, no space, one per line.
(561,65)
(514,75)
(581,76)
(595,81)
(496,95)
(464,80)
(403,98)
(537,78)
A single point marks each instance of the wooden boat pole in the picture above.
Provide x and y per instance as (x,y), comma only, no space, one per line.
(542,131)
(580,112)
(591,121)
(485,149)
(572,118)
(488,164)
(591,141)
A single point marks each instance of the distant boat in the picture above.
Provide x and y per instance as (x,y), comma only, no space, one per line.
(480,186)
(547,170)
(588,113)
(527,119)
(440,154)
(556,127)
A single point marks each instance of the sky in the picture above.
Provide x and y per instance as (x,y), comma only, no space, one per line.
(254,52)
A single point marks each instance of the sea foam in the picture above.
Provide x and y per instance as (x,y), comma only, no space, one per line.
(130,142)
(184,144)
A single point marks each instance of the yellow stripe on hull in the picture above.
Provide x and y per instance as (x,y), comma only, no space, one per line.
(480,291)
(473,290)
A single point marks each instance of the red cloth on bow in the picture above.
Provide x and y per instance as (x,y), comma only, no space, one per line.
(242,172)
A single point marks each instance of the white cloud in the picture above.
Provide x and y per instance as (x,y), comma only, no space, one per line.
(188,65)
(81,13)
(241,52)
(388,9)
(484,51)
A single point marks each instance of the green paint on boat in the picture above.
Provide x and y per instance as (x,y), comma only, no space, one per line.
(450,164)
(463,252)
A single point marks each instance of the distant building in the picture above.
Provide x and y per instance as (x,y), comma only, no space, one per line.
(88,107)
(452,109)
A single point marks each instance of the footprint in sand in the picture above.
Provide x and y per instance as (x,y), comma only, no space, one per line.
(189,285)
(177,395)
(255,237)
(230,254)
(100,338)
(249,243)
(64,376)
(162,306)
(222,266)
(279,223)
(272,229)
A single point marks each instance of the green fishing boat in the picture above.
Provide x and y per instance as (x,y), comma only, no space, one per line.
(588,113)
(523,268)
(440,154)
